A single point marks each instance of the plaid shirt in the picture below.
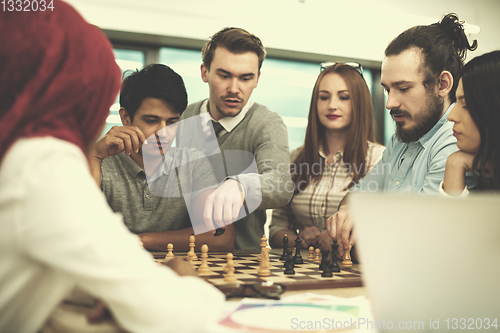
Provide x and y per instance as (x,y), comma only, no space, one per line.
(317,202)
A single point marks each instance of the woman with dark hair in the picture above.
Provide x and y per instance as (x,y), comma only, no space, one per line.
(477,119)
(58,78)
(339,149)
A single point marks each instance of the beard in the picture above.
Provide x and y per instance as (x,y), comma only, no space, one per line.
(424,120)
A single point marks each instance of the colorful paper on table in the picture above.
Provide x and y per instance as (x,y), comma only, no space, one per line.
(290,317)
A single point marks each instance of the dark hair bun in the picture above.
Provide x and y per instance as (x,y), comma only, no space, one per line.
(455,31)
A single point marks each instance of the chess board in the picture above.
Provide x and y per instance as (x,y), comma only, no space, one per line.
(307,275)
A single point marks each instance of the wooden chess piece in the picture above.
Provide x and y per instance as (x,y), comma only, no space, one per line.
(297,259)
(191,261)
(311,253)
(263,245)
(230,276)
(191,252)
(347,262)
(285,247)
(204,269)
(317,259)
(335,265)
(289,265)
(324,259)
(264,264)
(268,258)
(327,272)
(170,249)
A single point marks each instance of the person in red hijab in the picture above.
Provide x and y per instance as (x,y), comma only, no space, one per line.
(58,78)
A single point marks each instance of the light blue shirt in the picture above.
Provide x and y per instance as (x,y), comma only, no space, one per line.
(417,167)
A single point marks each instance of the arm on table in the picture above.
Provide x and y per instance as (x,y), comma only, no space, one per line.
(158,241)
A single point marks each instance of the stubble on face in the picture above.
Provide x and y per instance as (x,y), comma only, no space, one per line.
(424,120)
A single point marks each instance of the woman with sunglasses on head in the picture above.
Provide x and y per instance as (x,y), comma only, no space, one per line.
(58,78)
(339,149)
(477,120)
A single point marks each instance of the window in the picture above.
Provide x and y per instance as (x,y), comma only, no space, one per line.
(126,60)
(285,86)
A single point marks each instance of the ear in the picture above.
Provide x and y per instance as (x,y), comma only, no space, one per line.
(445,83)
(204,73)
(126,121)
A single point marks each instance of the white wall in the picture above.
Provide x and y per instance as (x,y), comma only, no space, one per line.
(348,28)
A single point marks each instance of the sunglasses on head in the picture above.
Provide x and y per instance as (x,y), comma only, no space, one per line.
(354,65)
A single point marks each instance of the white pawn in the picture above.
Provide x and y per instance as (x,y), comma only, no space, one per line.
(191,254)
(230,276)
(204,269)
(311,253)
(317,259)
(170,248)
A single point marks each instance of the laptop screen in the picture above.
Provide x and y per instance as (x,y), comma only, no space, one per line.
(430,261)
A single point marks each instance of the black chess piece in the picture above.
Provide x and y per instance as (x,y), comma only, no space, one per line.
(327,272)
(289,265)
(297,259)
(324,255)
(334,266)
(285,247)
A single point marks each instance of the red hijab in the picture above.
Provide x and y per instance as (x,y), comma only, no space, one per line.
(58,76)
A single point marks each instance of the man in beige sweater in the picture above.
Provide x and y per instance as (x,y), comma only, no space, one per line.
(252,139)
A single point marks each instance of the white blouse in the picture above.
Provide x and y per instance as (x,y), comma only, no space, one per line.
(57,232)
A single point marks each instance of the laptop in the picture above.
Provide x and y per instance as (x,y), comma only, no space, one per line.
(429,263)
